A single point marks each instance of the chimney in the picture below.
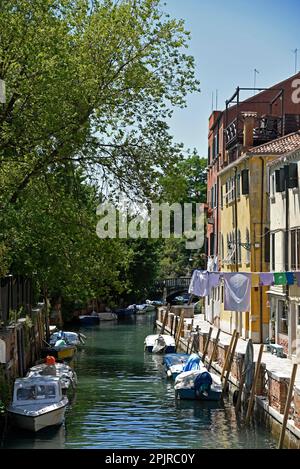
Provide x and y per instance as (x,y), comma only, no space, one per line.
(249,123)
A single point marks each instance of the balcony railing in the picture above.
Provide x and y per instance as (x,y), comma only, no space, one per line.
(266,128)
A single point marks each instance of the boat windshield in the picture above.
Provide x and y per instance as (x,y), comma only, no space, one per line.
(36,392)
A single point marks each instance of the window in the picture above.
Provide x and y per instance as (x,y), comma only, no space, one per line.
(272,186)
(283,317)
(298,318)
(215,196)
(239,247)
(273,251)
(293,175)
(295,250)
(248,250)
(267,245)
(212,197)
(208,156)
(279,180)
(211,244)
(221,197)
(245,181)
(238,185)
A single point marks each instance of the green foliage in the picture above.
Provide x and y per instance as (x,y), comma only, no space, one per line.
(89,86)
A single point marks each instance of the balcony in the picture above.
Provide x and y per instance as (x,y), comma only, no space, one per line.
(266,128)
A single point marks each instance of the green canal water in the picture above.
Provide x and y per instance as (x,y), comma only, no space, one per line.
(124,400)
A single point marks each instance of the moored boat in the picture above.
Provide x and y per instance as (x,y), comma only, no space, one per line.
(199,385)
(64,372)
(174,363)
(37,403)
(71,338)
(160,343)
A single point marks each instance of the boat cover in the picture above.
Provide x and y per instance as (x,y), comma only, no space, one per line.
(193,363)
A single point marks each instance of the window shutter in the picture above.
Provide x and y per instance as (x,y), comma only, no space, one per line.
(245,181)
(279,177)
(293,175)
(267,245)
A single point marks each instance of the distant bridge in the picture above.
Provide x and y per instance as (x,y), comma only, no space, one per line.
(170,286)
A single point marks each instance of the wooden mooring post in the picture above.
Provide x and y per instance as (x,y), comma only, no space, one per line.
(287,406)
(190,341)
(214,349)
(181,323)
(230,360)
(241,386)
(164,321)
(228,354)
(256,375)
(206,344)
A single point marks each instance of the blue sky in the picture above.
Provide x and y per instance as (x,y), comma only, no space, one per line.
(229,40)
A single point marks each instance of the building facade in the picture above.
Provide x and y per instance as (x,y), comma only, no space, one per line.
(284,207)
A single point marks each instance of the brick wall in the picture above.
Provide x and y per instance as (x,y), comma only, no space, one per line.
(297,407)
(277,391)
(283,340)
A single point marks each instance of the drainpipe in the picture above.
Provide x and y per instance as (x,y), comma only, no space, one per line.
(261,247)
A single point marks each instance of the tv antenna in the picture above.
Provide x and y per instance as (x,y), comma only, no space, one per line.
(295,51)
(254,81)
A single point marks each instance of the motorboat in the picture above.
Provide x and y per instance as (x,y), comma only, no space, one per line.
(66,374)
(199,385)
(144,308)
(71,338)
(38,402)
(124,313)
(60,350)
(160,343)
(174,363)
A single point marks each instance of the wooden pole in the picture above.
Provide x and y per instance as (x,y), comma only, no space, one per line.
(228,354)
(241,387)
(236,338)
(214,349)
(287,405)
(252,394)
(181,322)
(206,344)
(190,337)
(164,322)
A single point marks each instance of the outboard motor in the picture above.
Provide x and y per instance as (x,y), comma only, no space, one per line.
(202,383)
(159,345)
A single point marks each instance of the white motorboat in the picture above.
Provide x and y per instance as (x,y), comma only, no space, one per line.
(66,374)
(158,343)
(38,402)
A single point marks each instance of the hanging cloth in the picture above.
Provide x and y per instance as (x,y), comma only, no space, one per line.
(199,283)
(213,280)
(280,278)
(237,291)
(290,278)
(266,278)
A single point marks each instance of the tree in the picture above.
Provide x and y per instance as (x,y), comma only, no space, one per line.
(90,82)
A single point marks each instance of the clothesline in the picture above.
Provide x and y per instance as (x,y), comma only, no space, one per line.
(237,285)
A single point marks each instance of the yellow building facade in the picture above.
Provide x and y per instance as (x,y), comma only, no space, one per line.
(244,238)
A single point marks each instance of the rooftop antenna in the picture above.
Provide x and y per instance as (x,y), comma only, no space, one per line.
(255,73)
(216,99)
(212,101)
(295,51)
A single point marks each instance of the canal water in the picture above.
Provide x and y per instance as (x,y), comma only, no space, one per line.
(124,400)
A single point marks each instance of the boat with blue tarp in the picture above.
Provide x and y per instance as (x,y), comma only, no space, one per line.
(174,363)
